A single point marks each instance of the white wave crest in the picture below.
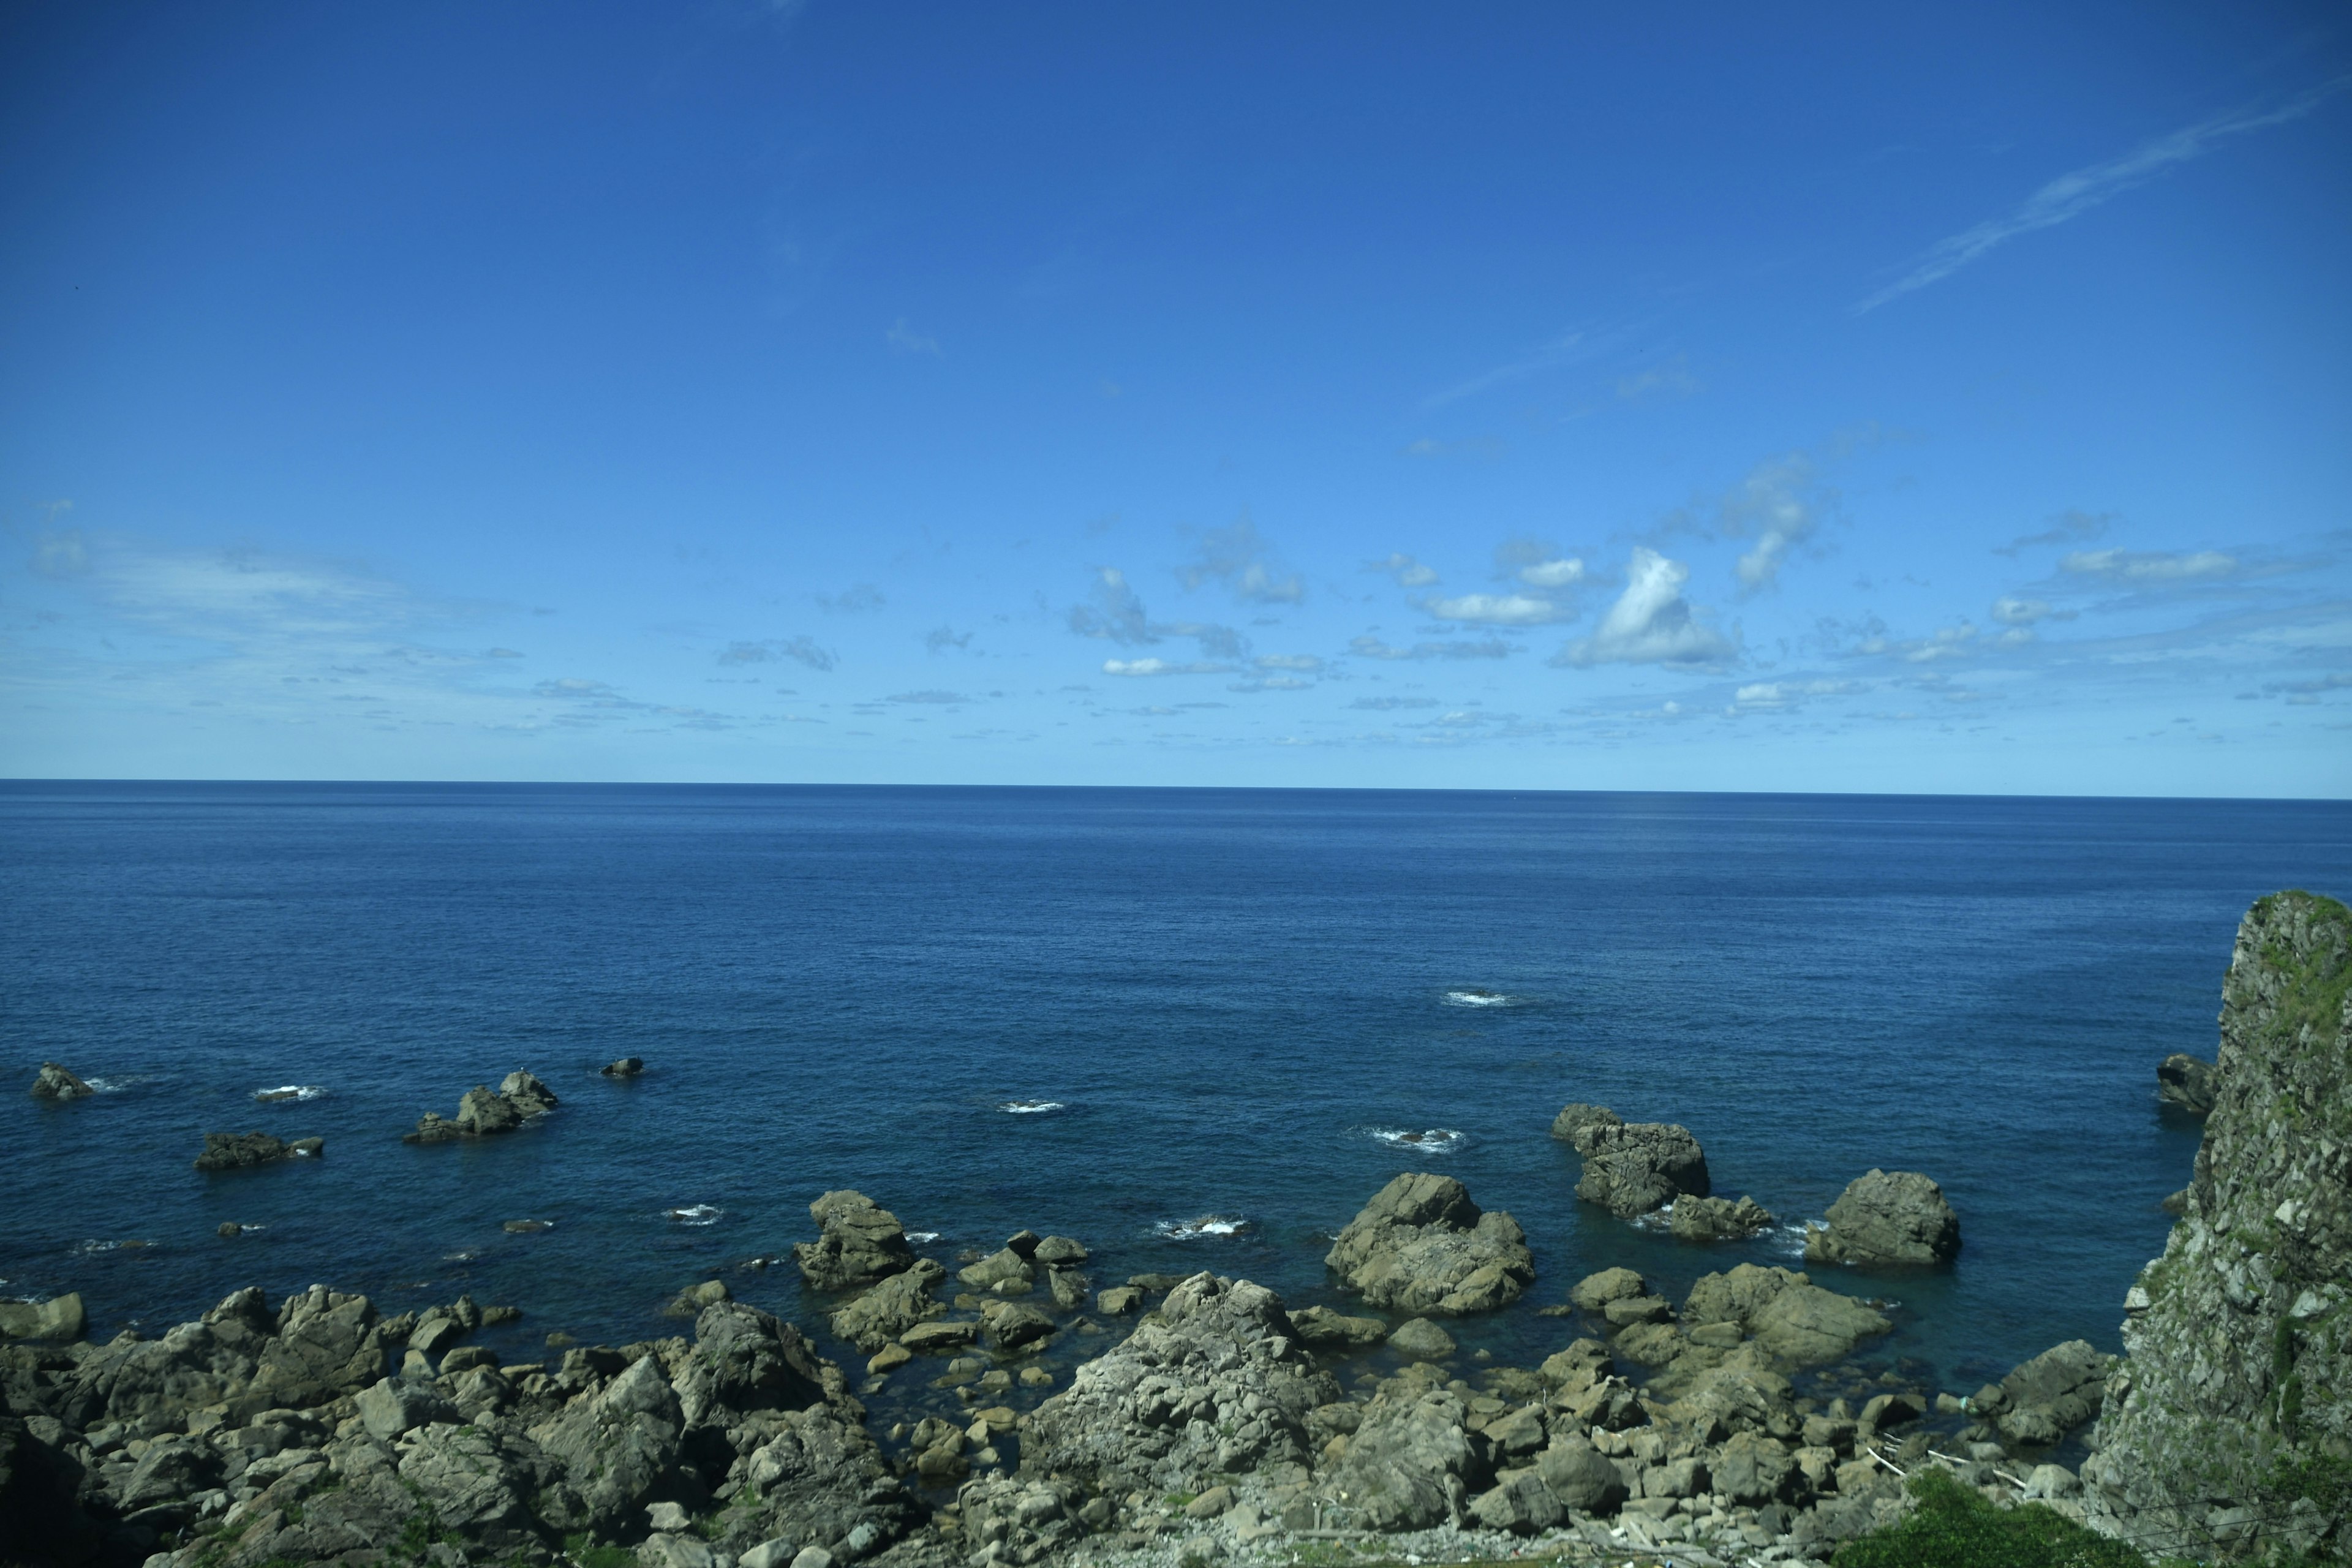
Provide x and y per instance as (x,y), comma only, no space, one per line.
(132,1246)
(1430,1140)
(695,1214)
(288,1092)
(109,1085)
(1206,1225)
(1030,1107)
(922,1238)
(1476,996)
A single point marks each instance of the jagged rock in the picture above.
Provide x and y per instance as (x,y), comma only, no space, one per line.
(1118,1300)
(326,1346)
(483,1111)
(1418,1339)
(858,1243)
(888,1309)
(1743,1394)
(1886,1217)
(1718,1219)
(1630,1168)
(1752,1468)
(1216,1383)
(389,1407)
(1010,1325)
(628,1066)
(1068,1288)
(2188,1082)
(1574,1119)
(527,1094)
(169,1470)
(2046,1397)
(1410,1463)
(231,1150)
(746,1360)
(474,1481)
(1794,1322)
(1005,1271)
(59,1318)
(614,1448)
(1422,1246)
(1322,1326)
(54,1082)
(1058,1252)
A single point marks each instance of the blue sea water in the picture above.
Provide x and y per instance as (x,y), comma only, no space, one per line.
(1231,1000)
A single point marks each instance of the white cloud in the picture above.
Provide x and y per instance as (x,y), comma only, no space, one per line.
(1242,560)
(1947,642)
(2071,195)
(2149,566)
(1773,694)
(1163,667)
(1408,573)
(857,599)
(1271,683)
(1563,572)
(1650,623)
(1301,661)
(1495,609)
(2011,611)
(1781,503)
(1369,647)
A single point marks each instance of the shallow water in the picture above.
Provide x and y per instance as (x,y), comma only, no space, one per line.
(1112,1013)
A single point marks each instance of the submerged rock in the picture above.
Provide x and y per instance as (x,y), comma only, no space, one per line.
(2188,1082)
(1632,1168)
(1422,1246)
(232,1151)
(859,1242)
(1886,1217)
(1418,1339)
(54,1082)
(628,1066)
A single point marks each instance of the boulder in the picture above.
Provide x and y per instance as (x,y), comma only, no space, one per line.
(1632,1168)
(1010,1325)
(233,1151)
(1420,1245)
(858,1243)
(1410,1463)
(54,1082)
(1795,1323)
(690,1302)
(483,1111)
(1118,1300)
(1886,1217)
(900,1301)
(745,1360)
(613,1449)
(326,1346)
(1718,1219)
(527,1094)
(59,1318)
(1005,1271)
(389,1407)
(1418,1339)
(1058,1252)
(1322,1326)
(1595,1291)
(2188,1082)
(2045,1398)
(628,1066)
(1574,1119)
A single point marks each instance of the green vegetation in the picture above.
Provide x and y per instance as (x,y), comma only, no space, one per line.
(1953,1527)
(2315,991)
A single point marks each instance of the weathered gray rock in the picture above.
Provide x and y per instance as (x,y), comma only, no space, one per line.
(233,1151)
(1058,1252)
(888,1309)
(326,1346)
(690,1302)
(59,1318)
(1011,1325)
(1422,1246)
(54,1082)
(1887,1218)
(2045,1398)
(1322,1326)
(389,1407)
(1214,1383)
(745,1360)
(1632,1168)
(483,1112)
(1595,1291)
(1574,1119)
(1410,1463)
(1418,1339)
(628,1066)
(1718,1219)
(613,1449)
(1005,1271)
(2239,1368)
(2188,1082)
(1795,1323)
(859,1244)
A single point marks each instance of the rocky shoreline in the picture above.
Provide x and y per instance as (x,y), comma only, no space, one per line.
(1189,1420)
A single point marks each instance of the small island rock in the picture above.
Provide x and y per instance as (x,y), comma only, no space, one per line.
(859,1242)
(54,1082)
(1886,1217)
(235,1151)
(1422,1246)
(1632,1168)
(2188,1082)
(628,1066)
(1718,1219)
(483,1111)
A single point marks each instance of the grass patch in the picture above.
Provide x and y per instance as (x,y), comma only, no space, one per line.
(1953,1527)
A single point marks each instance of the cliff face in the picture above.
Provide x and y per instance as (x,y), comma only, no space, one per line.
(2229,1425)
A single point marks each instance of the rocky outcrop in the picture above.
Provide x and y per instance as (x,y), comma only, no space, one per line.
(54,1082)
(1422,1246)
(482,1110)
(1214,1382)
(628,1066)
(60,1317)
(1633,1167)
(1718,1219)
(1887,1218)
(2188,1082)
(2047,1398)
(859,1244)
(1792,1320)
(2229,1422)
(234,1151)
(1574,1119)
(891,1308)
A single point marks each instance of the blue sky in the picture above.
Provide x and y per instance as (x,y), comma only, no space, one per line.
(1504,397)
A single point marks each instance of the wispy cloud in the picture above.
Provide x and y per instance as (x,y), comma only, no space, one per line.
(1369,647)
(938,639)
(1117,612)
(1496,609)
(857,599)
(942,698)
(2149,565)
(1650,623)
(1407,571)
(2066,528)
(1240,558)
(1780,504)
(2072,194)
(1670,380)
(904,340)
(1163,667)
(799,649)
(1566,349)
(1392,704)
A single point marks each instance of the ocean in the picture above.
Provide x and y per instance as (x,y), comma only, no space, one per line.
(1113,1014)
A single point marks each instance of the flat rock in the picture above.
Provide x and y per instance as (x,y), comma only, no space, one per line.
(60,1317)
(1322,1326)
(1422,1246)
(1886,1217)
(1595,1291)
(1418,1339)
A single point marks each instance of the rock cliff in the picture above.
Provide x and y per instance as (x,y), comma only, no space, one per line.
(2228,1429)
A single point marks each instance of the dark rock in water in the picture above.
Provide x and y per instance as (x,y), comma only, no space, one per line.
(1322,1326)
(482,1110)
(1630,1168)
(1574,1119)
(859,1242)
(1059,1252)
(2047,1398)
(60,1319)
(233,1151)
(628,1066)
(1886,1217)
(690,1302)
(1422,1246)
(1595,1291)
(229,1229)
(1005,1271)
(1010,1325)
(527,1226)
(2176,1203)
(889,1309)
(1156,1283)
(2186,1081)
(54,1082)
(1718,1219)
(2237,1379)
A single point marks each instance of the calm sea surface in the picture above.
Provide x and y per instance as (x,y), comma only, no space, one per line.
(1233,1000)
